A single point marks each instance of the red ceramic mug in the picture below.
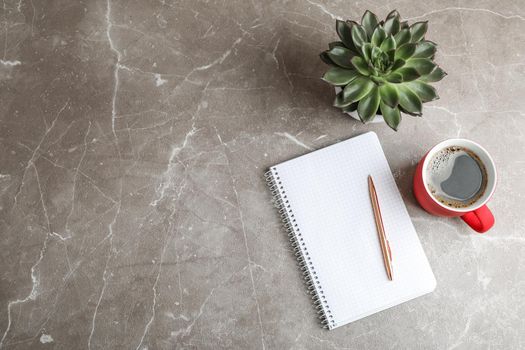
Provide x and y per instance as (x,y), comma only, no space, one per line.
(477,215)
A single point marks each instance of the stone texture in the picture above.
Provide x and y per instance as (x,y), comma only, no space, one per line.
(134,136)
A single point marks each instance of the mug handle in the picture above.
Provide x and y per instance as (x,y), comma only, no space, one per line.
(480,220)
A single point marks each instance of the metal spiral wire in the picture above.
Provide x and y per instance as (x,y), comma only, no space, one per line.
(280,201)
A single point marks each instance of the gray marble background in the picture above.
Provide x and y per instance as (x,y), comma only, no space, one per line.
(133,140)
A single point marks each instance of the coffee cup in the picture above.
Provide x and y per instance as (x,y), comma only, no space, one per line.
(457,177)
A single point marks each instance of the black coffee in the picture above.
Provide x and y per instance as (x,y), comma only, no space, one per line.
(456,177)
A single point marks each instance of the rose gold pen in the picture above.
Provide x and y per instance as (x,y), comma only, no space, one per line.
(385,245)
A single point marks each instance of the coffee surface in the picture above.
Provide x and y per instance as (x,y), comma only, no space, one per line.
(456,177)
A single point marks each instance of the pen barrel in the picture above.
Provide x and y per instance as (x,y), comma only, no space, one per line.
(383,242)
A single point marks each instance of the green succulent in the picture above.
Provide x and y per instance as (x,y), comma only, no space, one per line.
(382,67)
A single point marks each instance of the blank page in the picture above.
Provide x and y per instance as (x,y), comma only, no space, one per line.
(328,194)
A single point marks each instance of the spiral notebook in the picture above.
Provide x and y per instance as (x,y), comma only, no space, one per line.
(324,201)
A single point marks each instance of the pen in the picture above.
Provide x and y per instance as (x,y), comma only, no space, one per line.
(383,241)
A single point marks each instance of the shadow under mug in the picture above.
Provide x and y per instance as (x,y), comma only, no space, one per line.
(477,215)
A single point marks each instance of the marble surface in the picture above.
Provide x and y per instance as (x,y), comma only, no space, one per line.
(134,136)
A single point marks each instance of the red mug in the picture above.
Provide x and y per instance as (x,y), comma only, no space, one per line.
(477,215)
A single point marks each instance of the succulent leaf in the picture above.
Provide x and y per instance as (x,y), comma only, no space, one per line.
(339,101)
(325,58)
(402,37)
(424,91)
(341,56)
(357,89)
(436,75)
(334,44)
(352,47)
(422,65)
(425,49)
(388,44)
(398,64)
(408,100)
(338,76)
(377,80)
(405,51)
(389,94)
(345,34)
(378,36)
(391,55)
(369,23)
(351,107)
(391,115)
(392,25)
(366,49)
(408,73)
(376,54)
(393,14)
(358,35)
(418,31)
(368,105)
(360,64)
(394,77)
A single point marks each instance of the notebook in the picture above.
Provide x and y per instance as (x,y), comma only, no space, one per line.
(324,201)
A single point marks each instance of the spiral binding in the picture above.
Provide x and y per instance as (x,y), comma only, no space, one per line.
(306,266)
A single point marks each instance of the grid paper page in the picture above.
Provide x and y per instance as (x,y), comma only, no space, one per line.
(328,194)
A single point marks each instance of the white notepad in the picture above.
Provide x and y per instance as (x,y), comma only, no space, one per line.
(324,201)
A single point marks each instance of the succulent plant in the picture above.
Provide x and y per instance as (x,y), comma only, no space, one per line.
(382,67)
